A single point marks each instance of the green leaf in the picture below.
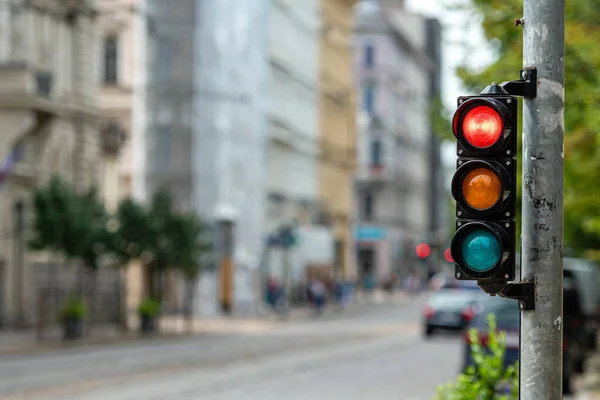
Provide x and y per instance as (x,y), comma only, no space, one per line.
(484,379)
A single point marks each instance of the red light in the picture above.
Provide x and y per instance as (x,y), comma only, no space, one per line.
(428,312)
(423,250)
(448,255)
(468,314)
(482,126)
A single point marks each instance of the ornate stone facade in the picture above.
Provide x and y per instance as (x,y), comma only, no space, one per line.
(48,111)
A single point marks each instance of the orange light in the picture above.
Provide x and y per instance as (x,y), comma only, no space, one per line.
(481,188)
(482,126)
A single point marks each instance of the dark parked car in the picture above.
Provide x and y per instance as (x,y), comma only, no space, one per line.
(586,276)
(450,309)
(507,316)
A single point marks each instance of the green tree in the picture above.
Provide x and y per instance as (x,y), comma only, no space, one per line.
(193,252)
(68,223)
(161,238)
(92,221)
(582,96)
(487,379)
(53,219)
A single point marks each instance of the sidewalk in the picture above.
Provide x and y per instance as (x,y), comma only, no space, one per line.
(23,342)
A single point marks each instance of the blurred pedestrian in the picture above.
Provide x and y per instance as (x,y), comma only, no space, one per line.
(318,293)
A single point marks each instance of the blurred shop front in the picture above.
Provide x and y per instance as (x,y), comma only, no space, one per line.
(380,251)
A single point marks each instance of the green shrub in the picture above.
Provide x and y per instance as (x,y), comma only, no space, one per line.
(149,308)
(487,379)
(74,308)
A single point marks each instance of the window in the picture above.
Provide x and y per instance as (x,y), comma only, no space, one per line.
(369,55)
(162,149)
(369,98)
(376,152)
(368,206)
(162,60)
(111,60)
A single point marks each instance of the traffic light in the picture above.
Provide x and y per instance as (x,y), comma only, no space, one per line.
(484,186)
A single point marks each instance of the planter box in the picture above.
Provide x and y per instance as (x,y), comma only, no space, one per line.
(147,324)
(73,328)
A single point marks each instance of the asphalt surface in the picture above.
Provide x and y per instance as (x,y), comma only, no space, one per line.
(378,354)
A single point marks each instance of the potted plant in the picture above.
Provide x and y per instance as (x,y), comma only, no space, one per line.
(148,311)
(71,316)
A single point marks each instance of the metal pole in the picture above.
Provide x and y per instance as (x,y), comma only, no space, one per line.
(543,131)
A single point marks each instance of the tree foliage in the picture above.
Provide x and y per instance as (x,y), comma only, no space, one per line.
(160,237)
(69,223)
(582,97)
(487,379)
(79,227)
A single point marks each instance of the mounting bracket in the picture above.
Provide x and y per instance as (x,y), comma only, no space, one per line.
(523,291)
(526,86)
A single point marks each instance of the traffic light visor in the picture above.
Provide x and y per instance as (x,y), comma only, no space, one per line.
(481,250)
(481,188)
(482,126)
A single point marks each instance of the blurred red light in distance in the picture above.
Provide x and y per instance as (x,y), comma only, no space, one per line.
(482,126)
(448,255)
(428,312)
(423,250)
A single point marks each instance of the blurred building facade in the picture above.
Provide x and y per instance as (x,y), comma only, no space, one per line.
(206,135)
(337,128)
(50,119)
(122,61)
(398,180)
(293,149)
(122,33)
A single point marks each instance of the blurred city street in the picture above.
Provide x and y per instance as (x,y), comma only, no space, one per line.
(376,354)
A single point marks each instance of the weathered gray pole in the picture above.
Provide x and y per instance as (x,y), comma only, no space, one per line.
(543,159)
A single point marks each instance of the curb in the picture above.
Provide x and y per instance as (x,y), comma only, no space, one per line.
(53,345)
(354,309)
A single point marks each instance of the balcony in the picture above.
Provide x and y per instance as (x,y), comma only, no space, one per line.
(22,86)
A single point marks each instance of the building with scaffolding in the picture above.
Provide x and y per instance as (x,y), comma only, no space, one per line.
(206,133)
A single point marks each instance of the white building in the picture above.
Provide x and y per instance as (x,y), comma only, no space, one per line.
(293,150)
(398,185)
(206,135)
(229,136)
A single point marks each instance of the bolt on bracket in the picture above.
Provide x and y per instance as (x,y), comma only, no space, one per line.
(525,86)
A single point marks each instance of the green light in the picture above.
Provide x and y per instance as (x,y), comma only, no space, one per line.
(481,250)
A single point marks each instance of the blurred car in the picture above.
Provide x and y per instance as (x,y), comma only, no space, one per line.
(586,277)
(450,309)
(507,316)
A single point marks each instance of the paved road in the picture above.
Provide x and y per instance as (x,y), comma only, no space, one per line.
(380,355)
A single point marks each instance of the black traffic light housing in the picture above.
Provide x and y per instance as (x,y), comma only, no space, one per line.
(498,158)
(505,208)
(506,106)
(484,186)
(504,269)
(491,188)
